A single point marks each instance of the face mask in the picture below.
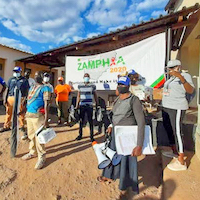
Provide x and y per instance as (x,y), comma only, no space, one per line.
(133,82)
(123,90)
(46,79)
(86,79)
(17,75)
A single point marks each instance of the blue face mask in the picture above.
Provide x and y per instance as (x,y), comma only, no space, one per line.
(86,79)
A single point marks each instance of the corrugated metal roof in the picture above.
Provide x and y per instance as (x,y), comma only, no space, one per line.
(55,57)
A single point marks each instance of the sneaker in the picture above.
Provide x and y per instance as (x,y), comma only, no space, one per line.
(169,154)
(40,163)
(4,129)
(177,166)
(24,137)
(28,156)
(59,122)
(79,138)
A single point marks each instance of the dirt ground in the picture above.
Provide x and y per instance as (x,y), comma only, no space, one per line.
(70,173)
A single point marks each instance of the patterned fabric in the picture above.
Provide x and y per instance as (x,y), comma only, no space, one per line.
(36,97)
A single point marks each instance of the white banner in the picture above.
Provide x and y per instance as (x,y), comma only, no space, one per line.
(146,57)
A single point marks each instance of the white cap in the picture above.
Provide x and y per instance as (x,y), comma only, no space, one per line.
(173,63)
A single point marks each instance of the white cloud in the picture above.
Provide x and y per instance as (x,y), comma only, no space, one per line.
(151,4)
(109,13)
(90,35)
(14,43)
(77,38)
(158,13)
(62,21)
(42,21)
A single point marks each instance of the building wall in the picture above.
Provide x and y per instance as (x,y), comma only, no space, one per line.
(36,67)
(186,3)
(9,56)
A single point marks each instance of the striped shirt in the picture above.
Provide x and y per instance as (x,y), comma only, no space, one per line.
(86,94)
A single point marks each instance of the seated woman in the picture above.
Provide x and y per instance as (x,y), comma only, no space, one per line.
(127,111)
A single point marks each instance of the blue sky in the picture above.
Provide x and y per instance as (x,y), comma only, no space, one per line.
(39,25)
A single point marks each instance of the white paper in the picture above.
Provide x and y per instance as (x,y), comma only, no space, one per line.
(126,140)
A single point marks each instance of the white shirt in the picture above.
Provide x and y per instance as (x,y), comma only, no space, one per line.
(174,93)
(31,82)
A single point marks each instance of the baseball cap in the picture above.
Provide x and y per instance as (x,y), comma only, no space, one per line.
(46,74)
(173,63)
(124,80)
(132,72)
(17,69)
(60,79)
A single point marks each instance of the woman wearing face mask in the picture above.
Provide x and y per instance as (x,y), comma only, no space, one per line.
(127,111)
(36,116)
(175,104)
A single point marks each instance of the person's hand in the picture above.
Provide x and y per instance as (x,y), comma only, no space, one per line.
(175,73)
(109,130)
(46,124)
(5,102)
(137,151)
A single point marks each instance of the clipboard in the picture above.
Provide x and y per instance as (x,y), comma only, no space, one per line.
(126,140)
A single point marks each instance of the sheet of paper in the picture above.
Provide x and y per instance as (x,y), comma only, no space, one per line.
(126,140)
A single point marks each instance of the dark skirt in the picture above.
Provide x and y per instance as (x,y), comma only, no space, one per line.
(126,171)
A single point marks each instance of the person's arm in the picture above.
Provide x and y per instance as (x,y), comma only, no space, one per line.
(189,89)
(78,99)
(140,119)
(46,116)
(6,96)
(95,97)
(46,98)
(3,89)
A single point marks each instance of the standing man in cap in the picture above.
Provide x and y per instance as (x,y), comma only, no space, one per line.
(62,96)
(85,96)
(46,81)
(175,104)
(22,84)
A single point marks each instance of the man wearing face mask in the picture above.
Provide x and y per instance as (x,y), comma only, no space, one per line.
(135,88)
(62,92)
(22,84)
(31,81)
(85,96)
(175,104)
(36,116)
(46,81)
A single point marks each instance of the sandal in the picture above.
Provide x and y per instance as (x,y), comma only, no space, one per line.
(103,179)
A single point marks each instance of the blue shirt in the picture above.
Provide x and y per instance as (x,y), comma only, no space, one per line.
(21,83)
(2,82)
(36,97)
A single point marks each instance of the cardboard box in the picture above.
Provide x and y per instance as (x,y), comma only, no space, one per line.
(157,94)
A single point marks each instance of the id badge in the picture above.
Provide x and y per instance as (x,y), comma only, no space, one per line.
(166,92)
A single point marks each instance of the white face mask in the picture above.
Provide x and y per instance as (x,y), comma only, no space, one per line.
(16,74)
(46,79)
